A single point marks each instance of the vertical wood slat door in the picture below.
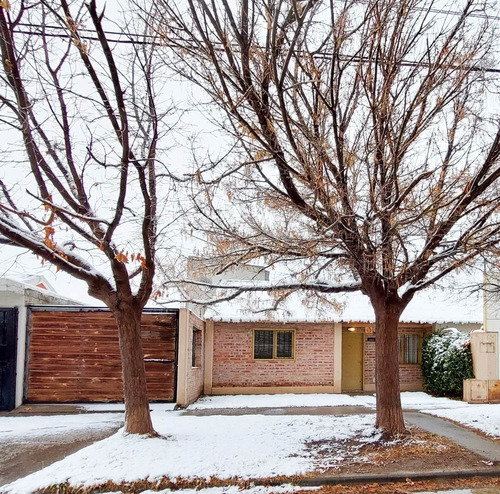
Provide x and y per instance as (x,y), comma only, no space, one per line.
(73,356)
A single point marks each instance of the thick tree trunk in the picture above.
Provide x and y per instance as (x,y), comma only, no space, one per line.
(389,410)
(137,416)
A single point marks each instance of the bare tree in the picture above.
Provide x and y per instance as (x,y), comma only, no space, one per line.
(83,193)
(366,148)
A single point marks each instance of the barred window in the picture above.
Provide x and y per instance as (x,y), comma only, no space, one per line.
(409,348)
(271,344)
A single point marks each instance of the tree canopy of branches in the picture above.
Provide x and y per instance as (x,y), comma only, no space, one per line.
(365,145)
(81,192)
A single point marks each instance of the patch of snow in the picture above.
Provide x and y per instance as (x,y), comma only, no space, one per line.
(120,407)
(484,417)
(20,428)
(234,489)
(252,446)
(427,306)
(274,401)
(416,400)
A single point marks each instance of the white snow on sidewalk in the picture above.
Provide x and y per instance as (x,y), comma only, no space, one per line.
(415,400)
(120,407)
(485,418)
(275,401)
(17,428)
(251,446)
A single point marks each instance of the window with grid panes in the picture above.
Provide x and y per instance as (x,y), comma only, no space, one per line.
(269,344)
(409,348)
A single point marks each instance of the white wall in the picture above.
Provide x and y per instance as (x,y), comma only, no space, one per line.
(18,295)
(492,316)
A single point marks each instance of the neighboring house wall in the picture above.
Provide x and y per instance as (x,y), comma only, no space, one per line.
(19,295)
(234,370)
(191,357)
(492,315)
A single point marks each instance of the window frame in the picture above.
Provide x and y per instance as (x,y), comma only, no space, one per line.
(275,344)
(197,348)
(402,347)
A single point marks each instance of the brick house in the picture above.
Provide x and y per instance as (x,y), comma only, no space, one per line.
(296,349)
(302,357)
(70,354)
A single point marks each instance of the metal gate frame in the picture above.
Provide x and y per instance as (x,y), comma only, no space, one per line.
(8,378)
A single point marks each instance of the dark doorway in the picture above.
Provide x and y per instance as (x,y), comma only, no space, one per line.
(8,351)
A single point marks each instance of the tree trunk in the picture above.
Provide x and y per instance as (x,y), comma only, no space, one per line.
(389,410)
(137,416)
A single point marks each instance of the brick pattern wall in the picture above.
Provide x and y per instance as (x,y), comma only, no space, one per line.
(234,366)
(410,375)
(194,374)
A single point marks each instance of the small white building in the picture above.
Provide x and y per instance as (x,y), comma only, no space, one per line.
(15,297)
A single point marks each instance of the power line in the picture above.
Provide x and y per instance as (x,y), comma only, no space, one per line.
(150,39)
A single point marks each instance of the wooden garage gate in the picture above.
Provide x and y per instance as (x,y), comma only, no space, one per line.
(73,356)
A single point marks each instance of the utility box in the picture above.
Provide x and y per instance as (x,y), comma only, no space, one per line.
(481,391)
(484,348)
(475,391)
(485,388)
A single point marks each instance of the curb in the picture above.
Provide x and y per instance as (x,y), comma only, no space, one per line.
(398,477)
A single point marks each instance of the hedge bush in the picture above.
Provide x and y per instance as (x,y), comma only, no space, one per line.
(446,362)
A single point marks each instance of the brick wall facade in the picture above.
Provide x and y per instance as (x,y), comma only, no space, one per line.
(410,375)
(313,365)
(234,366)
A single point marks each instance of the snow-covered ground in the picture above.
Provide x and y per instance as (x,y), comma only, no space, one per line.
(485,418)
(274,401)
(35,428)
(251,446)
(245,446)
(120,407)
(234,489)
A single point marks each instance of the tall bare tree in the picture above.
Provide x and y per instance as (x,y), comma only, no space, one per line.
(81,191)
(366,146)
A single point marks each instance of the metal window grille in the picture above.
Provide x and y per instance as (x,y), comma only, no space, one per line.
(273,344)
(284,344)
(263,344)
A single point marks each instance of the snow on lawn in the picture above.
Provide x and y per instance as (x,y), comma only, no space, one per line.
(28,428)
(415,400)
(234,489)
(251,446)
(275,401)
(485,418)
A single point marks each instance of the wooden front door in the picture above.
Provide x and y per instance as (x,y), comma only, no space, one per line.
(352,361)
(8,351)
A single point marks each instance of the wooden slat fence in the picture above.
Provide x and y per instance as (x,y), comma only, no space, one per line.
(73,356)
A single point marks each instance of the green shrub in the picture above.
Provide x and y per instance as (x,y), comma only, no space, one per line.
(446,362)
